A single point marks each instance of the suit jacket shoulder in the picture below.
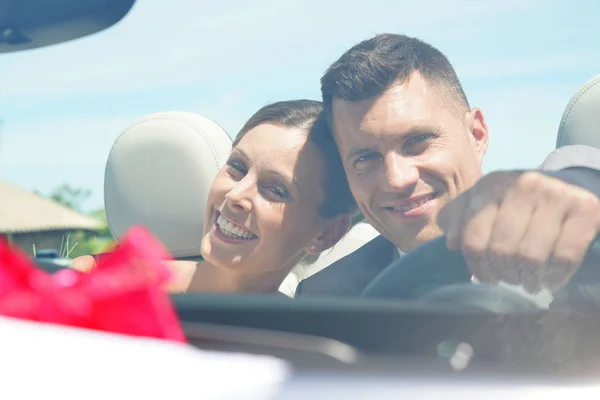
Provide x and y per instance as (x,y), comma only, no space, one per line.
(349,275)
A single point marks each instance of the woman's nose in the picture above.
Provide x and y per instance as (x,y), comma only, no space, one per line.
(240,196)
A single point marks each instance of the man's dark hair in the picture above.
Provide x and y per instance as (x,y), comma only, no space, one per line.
(371,67)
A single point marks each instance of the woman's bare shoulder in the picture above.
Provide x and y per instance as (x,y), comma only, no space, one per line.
(182,271)
(83,263)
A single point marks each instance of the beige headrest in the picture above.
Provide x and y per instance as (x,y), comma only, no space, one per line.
(158,175)
(580,124)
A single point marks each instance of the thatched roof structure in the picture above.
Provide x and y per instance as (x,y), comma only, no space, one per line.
(23,211)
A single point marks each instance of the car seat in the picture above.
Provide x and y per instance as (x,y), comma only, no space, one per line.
(579,130)
(158,174)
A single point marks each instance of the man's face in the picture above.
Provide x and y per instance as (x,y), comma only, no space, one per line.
(406,154)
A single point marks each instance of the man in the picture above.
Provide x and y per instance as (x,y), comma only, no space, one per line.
(413,148)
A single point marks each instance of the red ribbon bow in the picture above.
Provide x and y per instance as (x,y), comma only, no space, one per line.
(123,294)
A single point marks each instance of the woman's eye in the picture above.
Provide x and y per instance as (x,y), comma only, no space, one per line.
(279,192)
(236,168)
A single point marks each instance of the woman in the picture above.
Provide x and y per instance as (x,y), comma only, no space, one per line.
(282,196)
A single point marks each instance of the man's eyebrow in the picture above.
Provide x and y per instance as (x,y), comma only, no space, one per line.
(357,152)
(416,130)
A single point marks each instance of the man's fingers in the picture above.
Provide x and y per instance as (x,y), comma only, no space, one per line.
(536,246)
(569,251)
(502,234)
(510,225)
(450,220)
(477,233)
(525,229)
(577,233)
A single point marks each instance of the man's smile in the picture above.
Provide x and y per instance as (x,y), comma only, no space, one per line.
(412,207)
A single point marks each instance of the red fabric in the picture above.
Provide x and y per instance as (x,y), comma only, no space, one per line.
(122,294)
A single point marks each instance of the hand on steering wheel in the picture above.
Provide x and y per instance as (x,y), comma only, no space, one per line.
(523,228)
(432,272)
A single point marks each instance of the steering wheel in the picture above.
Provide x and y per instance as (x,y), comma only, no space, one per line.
(433,273)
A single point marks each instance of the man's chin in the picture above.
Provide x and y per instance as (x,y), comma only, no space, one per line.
(410,240)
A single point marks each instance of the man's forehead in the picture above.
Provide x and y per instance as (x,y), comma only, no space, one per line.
(403,108)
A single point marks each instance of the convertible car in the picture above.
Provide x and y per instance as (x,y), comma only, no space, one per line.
(469,341)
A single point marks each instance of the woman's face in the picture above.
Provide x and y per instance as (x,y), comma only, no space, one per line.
(262,211)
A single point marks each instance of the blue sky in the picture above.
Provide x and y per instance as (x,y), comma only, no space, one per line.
(63,106)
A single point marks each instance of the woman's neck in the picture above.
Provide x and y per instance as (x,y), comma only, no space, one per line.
(209,278)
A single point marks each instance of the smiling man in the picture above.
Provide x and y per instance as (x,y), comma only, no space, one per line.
(413,147)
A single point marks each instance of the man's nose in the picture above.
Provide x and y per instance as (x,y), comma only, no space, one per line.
(400,173)
(240,196)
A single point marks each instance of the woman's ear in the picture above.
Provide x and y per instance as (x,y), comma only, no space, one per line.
(335,230)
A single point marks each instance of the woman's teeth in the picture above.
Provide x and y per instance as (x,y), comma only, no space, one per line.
(233,231)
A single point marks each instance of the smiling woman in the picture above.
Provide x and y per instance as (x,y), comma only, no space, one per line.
(280,198)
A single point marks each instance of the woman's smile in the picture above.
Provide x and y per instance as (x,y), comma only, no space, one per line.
(230,232)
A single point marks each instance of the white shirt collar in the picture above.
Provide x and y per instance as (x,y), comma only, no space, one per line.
(400,252)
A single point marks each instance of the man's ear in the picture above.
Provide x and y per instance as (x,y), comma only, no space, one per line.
(336,228)
(479,132)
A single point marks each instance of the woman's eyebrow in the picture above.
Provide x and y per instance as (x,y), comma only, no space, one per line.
(286,177)
(272,171)
(238,150)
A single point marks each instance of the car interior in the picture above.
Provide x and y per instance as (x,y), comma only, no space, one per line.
(343,330)
(158,173)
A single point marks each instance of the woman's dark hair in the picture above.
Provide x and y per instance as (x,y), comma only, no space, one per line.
(307,115)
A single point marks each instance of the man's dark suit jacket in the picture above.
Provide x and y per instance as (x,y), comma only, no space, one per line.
(349,276)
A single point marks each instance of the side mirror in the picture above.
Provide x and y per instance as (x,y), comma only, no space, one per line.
(29,24)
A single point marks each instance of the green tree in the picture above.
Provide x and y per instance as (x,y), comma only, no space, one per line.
(80,242)
(70,196)
(95,242)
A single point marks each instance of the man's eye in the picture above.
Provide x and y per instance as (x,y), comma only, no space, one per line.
(366,159)
(417,140)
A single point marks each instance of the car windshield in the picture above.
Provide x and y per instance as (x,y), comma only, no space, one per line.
(91,134)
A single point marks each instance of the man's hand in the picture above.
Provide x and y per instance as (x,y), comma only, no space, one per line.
(523,228)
